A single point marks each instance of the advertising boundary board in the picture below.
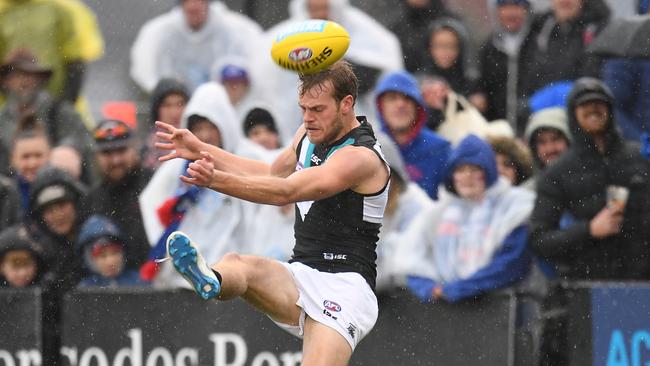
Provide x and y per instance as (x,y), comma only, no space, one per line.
(21,326)
(147,328)
(609,323)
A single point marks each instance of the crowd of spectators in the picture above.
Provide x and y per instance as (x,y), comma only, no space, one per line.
(496,172)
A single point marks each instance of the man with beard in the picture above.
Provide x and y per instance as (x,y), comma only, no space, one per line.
(122,180)
(23,79)
(575,226)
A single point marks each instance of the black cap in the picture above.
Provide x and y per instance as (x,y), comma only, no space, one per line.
(592,96)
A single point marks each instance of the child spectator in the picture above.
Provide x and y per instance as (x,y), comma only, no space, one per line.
(101,245)
(21,258)
(259,127)
(30,152)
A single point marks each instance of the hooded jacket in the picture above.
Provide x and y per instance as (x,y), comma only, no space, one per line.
(163,89)
(460,76)
(19,238)
(426,153)
(549,118)
(60,256)
(464,246)
(216,222)
(95,228)
(572,191)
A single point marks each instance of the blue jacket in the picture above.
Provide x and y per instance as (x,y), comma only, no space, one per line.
(426,153)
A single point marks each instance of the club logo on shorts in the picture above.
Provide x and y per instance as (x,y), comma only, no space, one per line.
(300,54)
(331,306)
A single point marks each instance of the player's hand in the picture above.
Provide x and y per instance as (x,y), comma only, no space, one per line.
(181,143)
(606,223)
(201,172)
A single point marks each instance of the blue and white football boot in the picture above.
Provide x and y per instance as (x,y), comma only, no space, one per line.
(191,265)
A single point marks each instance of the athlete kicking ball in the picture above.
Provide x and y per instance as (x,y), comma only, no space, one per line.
(335,173)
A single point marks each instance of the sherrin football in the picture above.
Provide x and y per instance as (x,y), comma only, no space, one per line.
(310,46)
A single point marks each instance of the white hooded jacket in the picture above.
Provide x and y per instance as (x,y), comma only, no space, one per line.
(167,47)
(216,222)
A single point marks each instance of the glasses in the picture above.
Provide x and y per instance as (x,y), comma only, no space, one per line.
(112,131)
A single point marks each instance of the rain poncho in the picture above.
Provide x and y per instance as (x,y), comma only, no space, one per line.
(216,222)
(371,45)
(167,47)
(468,247)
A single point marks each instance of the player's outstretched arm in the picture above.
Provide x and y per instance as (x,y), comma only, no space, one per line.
(355,168)
(181,143)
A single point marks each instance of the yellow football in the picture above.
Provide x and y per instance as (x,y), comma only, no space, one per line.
(310,46)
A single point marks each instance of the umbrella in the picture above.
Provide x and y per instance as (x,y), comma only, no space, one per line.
(625,37)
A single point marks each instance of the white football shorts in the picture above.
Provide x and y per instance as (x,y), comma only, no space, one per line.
(342,301)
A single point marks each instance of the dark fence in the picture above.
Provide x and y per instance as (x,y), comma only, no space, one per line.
(609,324)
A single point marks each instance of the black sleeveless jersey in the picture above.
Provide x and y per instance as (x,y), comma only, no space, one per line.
(339,233)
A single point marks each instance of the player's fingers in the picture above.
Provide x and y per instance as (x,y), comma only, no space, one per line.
(165,126)
(164,145)
(169,156)
(164,136)
(188,180)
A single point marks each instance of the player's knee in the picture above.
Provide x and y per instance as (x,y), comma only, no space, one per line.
(231,257)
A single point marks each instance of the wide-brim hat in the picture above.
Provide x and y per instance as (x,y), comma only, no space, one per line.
(25,61)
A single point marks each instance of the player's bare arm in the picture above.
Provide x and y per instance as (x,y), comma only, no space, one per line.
(181,143)
(355,168)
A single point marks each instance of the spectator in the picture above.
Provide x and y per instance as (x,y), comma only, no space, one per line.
(122,180)
(186,42)
(474,239)
(21,258)
(167,204)
(23,79)
(503,61)
(56,214)
(30,152)
(448,55)
(168,101)
(559,39)
(548,137)
(10,206)
(402,114)
(48,29)
(412,30)
(514,161)
(102,246)
(55,208)
(406,200)
(260,127)
(572,225)
(374,51)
